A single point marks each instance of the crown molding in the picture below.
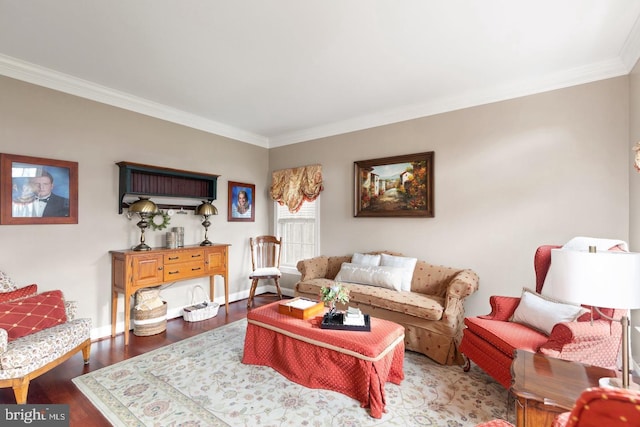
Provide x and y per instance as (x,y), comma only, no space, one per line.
(41,76)
(630,51)
(573,77)
(22,70)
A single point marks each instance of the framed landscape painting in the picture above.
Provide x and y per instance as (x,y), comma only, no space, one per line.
(34,190)
(399,186)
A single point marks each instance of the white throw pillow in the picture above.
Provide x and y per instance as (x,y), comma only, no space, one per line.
(542,313)
(374,275)
(365,259)
(407,264)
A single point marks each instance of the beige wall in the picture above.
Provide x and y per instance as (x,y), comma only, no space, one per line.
(634,189)
(509,177)
(39,122)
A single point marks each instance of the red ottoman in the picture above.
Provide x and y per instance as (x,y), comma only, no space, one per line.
(354,363)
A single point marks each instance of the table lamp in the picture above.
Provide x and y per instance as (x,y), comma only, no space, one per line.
(206,209)
(606,279)
(145,208)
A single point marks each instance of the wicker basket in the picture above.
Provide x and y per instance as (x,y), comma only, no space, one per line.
(200,311)
(150,322)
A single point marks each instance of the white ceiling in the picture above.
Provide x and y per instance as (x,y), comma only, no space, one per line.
(275,72)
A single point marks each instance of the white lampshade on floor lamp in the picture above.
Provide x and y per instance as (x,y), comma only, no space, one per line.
(606,279)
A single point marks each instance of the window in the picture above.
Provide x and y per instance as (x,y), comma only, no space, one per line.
(299,232)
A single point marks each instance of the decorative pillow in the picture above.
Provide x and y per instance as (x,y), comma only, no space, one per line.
(365,259)
(6,284)
(543,313)
(407,264)
(374,275)
(24,292)
(32,314)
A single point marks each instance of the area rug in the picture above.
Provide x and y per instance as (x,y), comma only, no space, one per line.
(201,381)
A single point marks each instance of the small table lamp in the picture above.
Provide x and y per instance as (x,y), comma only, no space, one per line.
(206,209)
(145,208)
(607,279)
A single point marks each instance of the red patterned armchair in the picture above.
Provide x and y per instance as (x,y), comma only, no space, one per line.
(597,407)
(490,340)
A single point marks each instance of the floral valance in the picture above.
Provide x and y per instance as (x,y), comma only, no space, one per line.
(291,187)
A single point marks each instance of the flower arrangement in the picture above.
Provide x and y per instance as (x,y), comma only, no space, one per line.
(333,294)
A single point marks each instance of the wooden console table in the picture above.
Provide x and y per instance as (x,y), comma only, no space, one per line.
(133,270)
(545,386)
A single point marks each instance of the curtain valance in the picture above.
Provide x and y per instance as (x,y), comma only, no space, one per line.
(291,187)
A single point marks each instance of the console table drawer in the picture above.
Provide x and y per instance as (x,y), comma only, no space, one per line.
(183,270)
(184,256)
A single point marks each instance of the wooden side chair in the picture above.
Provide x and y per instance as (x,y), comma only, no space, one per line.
(265,263)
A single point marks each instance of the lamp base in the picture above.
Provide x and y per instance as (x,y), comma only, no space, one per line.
(610,382)
(142,247)
(206,243)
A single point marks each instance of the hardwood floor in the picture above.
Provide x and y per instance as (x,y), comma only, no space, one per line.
(56,387)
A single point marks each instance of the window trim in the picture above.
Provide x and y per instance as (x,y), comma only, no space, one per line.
(286,269)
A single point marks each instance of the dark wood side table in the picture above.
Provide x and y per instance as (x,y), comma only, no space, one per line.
(544,386)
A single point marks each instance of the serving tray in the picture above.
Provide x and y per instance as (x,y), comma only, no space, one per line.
(335,322)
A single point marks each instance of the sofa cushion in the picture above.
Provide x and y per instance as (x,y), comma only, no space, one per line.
(407,264)
(35,350)
(19,293)
(423,306)
(374,275)
(506,336)
(32,314)
(543,313)
(365,259)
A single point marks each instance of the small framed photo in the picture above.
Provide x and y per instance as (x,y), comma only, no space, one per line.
(399,186)
(241,202)
(34,190)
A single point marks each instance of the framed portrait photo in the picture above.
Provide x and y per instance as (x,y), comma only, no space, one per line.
(35,190)
(399,186)
(241,202)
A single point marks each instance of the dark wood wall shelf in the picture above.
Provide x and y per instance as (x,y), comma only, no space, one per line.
(152,181)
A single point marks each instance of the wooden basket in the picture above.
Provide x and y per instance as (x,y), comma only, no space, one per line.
(150,322)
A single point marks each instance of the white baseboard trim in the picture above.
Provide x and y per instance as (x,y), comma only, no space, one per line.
(105,331)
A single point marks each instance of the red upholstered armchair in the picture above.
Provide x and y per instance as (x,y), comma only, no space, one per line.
(490,340)
(597,407)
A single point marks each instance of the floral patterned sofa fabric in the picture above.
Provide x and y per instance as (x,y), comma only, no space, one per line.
(26,357)
(432,312)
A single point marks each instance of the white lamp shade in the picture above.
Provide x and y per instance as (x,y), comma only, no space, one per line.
(609,279)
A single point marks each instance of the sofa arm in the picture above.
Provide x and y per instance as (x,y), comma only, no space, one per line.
(463,284)
(502,308)
(594,343)
(313,268)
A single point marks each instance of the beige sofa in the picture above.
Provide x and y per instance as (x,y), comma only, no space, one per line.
(432,312)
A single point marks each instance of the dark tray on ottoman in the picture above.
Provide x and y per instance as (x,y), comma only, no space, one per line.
(335,322)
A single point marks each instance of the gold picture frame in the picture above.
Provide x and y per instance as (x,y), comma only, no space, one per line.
(398,186)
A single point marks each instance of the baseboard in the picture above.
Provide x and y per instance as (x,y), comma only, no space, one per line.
(105,331)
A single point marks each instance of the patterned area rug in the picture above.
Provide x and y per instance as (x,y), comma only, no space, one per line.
(201,381)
